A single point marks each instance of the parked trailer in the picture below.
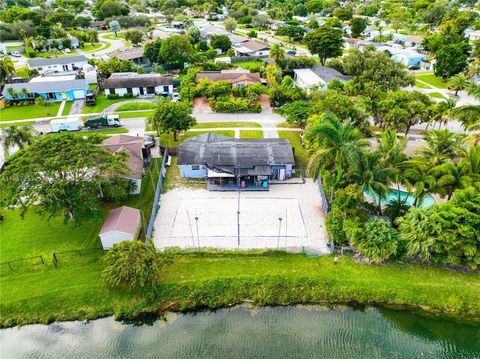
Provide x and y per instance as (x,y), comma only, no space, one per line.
(66,124)
(103,121)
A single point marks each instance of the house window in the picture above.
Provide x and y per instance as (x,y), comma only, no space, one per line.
(129,90)
(111,91)
(165,89)
(39,68)
(51,95)
(195,168)
(150,90)
(65,67)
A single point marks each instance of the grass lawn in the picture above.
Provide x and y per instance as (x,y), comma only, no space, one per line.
(167,139)
(421,86)
(112,36)
(227,124)
(105,131)
(431,79)
(28,111)
(136,106)
(27,123)
(436,95)
(93,47)
(250,65)
(102,103)
(287,125)
(75,290)
(251,134)
(300,153)
(21,72)
(66,109)
(135,114)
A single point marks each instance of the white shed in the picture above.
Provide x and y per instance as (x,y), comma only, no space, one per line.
(122,224)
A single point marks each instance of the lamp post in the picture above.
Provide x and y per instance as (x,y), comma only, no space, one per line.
(238,207)
(279,229)
(198,235)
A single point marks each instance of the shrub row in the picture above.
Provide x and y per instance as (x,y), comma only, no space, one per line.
(235,105)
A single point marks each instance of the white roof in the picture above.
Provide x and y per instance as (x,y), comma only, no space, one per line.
(52,78)
(213,174)
(309,77)
(66,120)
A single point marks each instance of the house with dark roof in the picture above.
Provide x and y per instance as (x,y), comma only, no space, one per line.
(251,48)
(228,163)
(136,55)
(53,65)
(317,77)
(121,83)
(238,77)
(133,146)
(52,88)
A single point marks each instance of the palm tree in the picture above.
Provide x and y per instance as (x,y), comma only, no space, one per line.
(449,178)
(16,136)
(458,82)
(470,163)
(7,68)
(469,115)
(374,176)
(442,111)
(337,147)
(442,146)
(276,52)
(418,179)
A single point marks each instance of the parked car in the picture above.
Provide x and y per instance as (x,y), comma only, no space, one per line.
(67,50)
(15,54)
(175,97)
(149,141)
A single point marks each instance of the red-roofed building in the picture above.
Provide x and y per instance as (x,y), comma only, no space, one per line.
(122,224)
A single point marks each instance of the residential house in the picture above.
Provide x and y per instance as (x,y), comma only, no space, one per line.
(122,224)
(135,55)
(230,162)
(317,77)
(251,48)
(134,147)
(52,44)
(407,57)
(238,77)
(121,83)
(64,65)
(98,25)
(52,88)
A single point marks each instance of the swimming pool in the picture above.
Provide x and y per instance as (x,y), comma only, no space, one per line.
(393,194)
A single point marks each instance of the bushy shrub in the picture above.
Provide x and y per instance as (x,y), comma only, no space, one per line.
(31,53)
(112,96)
(128,95)
(232,105)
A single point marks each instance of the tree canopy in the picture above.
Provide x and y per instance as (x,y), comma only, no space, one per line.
(325,42)
(172,117)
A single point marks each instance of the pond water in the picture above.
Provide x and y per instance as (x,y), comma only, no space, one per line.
(272,332)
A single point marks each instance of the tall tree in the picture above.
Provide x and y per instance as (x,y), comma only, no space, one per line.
(230,24)
(458,82)
(221,42)
(176,50)
(442,146)
(152,51)
(451,59)
(135,36)
(7,68)
(358,26)
(325,42)
(62,173)
(276,52)
(16,136)
(114,26)
(172,117)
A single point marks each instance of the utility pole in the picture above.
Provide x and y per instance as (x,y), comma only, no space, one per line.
(279,230)
(198,235)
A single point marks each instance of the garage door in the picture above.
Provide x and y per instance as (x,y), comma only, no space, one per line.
(78,94)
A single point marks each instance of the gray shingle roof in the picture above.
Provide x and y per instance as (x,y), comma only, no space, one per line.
(39,61)
(327,74)
(251,156)
(130,80)
(48,86)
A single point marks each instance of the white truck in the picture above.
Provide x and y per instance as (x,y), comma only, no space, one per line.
(66,124)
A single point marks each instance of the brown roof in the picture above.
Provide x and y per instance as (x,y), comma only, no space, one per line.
(129,80)
(128,54)
(254,45)
(232,76)
(133,146)
(123,219)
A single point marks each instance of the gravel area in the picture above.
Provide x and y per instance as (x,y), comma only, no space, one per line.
(298,205)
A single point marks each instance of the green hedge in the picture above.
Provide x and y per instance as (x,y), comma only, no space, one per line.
(235,105)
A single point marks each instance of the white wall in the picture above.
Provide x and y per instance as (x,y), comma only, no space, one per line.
(111,238)
(159,90)
(59,68)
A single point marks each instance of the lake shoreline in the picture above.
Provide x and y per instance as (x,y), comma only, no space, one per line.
(213,294)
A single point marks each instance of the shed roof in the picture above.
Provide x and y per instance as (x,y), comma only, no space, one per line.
(43,61)
(252,46)
(128,54)
(49,86)
(123,219)
(129,80)
(327,74)
(230,155)
(233,76)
